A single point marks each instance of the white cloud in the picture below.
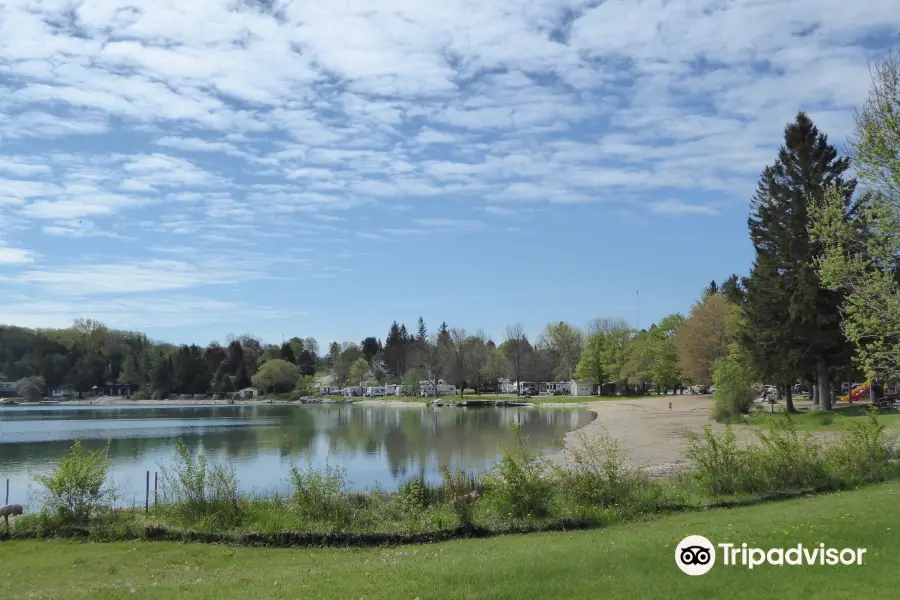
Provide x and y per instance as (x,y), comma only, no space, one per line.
(677,207)
(220,123)
(11,256)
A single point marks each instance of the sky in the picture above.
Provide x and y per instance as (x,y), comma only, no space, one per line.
(213,167)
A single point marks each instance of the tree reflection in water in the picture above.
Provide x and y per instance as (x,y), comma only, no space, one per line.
(377,445)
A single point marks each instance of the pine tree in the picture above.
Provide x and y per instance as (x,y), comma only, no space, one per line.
(287,353)
(241,378)
(793,322)
(422,333)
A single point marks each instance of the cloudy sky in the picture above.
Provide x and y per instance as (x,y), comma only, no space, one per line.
(194,169)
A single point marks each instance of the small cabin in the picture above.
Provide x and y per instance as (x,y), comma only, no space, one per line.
(249,392)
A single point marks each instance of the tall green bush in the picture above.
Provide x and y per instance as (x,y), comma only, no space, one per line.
(520,484)
(77,490)
(734,393)
(199,493)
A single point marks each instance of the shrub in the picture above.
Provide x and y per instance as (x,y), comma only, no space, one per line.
(864,455)
(733,383)
(460,492)
(519,485)
(826,418)
(415,494)
(786,461)
(601,474)
(321,494)
(716,461)
(196,491)
(76,491)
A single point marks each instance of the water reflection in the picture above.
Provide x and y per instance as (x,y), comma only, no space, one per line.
(379,446)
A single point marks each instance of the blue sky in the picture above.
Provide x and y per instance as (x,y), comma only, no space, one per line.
(194,169)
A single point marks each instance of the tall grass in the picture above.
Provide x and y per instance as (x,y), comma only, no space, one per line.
(198,493)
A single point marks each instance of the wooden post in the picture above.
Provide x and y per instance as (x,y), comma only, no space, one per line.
(7,491)
(147,496)
(155,487)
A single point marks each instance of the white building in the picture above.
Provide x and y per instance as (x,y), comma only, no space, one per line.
(249,392)
(580,388)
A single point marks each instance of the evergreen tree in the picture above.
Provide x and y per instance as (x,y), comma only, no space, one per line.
(422,334)
(242,377)
(793,322)
(287,353)
(130,373)
(307,363)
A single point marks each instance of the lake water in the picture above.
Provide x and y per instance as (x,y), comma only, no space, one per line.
(378,446)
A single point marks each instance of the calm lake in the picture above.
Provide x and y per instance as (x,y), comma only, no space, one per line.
(378,446)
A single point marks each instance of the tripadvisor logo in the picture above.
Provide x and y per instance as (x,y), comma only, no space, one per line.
(696,555)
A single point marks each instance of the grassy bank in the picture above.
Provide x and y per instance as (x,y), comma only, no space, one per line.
(841,418)
(632,561)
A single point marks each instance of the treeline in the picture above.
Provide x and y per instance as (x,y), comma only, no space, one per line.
(89,354)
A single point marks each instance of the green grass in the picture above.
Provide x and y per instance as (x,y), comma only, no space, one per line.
(843,418)
(629,561)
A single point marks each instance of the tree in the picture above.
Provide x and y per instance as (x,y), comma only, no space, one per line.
(307,363)
(564,343)
(866,268)
(130,374)
(242,377)
(591,366)
(411,382)
(731,290)
(613,354)
(370,347)
(276,376)
(477,361)
(803,333)
(664,372)
(701,339)
(516,349)
(359,371)
(605,325)
(711,290)
(733,383)
(306,386)
(497,366)
(90,334)
(433,358)
(422,332)
(458,358)
(32,388)
(287,353)
(395,349)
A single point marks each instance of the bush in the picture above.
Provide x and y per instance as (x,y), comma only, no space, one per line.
(826,418)
(519,486)
(197,492)
(734,393)
(601,475)
(863,456)
(786,461)
(321,494)
(717,462)
(76,491)
(460,492)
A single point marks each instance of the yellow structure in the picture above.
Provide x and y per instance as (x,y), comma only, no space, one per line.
(858,392)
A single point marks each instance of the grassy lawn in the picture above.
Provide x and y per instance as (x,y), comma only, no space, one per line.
(629,561)
(842,418)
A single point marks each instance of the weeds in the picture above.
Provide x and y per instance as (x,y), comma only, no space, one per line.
(321,494)
(519,485)
(601,475)
(198,493)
